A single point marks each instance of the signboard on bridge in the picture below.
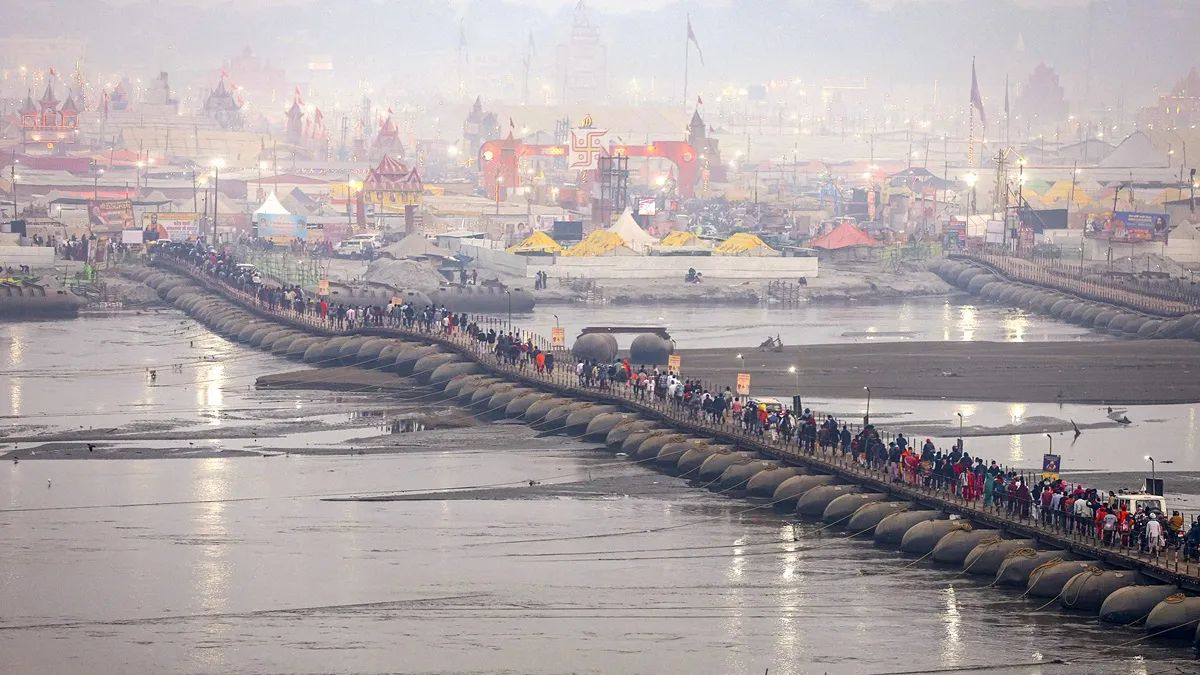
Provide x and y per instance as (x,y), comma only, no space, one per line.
(281,229)
(558,337)
(1050,466)
(743,384)
(673,362)
(323,287)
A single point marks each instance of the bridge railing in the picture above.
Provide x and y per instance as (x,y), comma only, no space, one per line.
(1057,527)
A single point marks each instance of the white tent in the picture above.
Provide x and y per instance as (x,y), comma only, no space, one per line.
(271,207)
(632,233)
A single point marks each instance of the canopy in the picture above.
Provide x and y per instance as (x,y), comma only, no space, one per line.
(271,207)
(633,235)
(842,236)
(599,242)
(1037,185)
(538,242)
(743,243)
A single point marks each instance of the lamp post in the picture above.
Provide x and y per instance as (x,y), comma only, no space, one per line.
(1051,443)
(216,166)
(792,370)
(1153,475)
(509,294)
(137,174)
(499,187)
(960,427)
(971,178)
(352,187)
(867,416)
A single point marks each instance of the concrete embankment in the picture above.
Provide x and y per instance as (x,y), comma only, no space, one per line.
(1113,319)
(824,491)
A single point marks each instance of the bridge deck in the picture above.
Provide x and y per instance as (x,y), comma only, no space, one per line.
(563,381)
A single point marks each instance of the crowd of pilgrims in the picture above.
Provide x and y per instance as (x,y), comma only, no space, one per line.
(1075,508)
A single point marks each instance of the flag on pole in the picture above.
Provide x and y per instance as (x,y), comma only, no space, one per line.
(976,98)
(699,101)
(692,38)
(55,74)
(511,126)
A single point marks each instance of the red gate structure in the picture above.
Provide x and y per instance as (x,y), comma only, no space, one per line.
(499,160)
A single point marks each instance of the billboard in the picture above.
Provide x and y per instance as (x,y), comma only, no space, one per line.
(1129,226)
(647,206)
(111,215)
(281,228)
(173,226)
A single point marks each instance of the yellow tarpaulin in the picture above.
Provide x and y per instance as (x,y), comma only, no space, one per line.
(538,242)
(681,238)
(597,243)
(741,243)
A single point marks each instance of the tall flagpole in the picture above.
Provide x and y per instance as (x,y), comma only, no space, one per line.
(971,127)
(687,50)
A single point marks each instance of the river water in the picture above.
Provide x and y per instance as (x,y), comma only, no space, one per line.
(232,564)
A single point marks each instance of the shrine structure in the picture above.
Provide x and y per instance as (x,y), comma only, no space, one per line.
(224,107)
(45,123)
(392,189)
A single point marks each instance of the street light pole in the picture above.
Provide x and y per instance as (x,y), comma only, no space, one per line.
(960,425)
(867,416)
(1153,475)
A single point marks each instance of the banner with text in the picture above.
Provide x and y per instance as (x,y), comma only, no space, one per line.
(1129,226)
(111,215)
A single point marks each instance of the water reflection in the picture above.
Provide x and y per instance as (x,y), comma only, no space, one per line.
(952,647)
(210,378)
(1015,325)
(968,322)
(16,357)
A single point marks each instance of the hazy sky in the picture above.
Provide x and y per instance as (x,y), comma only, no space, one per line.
(1105,50)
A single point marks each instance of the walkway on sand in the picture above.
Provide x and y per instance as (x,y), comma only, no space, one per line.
(564,382)
(1102,372)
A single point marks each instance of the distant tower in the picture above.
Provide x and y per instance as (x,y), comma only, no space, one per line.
(710,152)
(224,108)
(295,121)
(582,62)
(479,127)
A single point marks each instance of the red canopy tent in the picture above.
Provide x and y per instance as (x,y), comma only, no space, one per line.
(843,236)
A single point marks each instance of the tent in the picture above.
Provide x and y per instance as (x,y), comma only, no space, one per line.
(681,238)
(1037,185)
(538,243)
(842,236)
(600,242)
(744,243)
(271,207)
(630,232)
(1136,152)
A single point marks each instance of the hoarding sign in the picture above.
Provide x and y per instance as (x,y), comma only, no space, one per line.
(323,287)
(558,337)
(112,215)
(673,363)
(1129,226)
(281,229)
(647,206)
(173,226)
(131,237)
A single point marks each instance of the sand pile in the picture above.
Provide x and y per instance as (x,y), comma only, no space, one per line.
(404,274)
